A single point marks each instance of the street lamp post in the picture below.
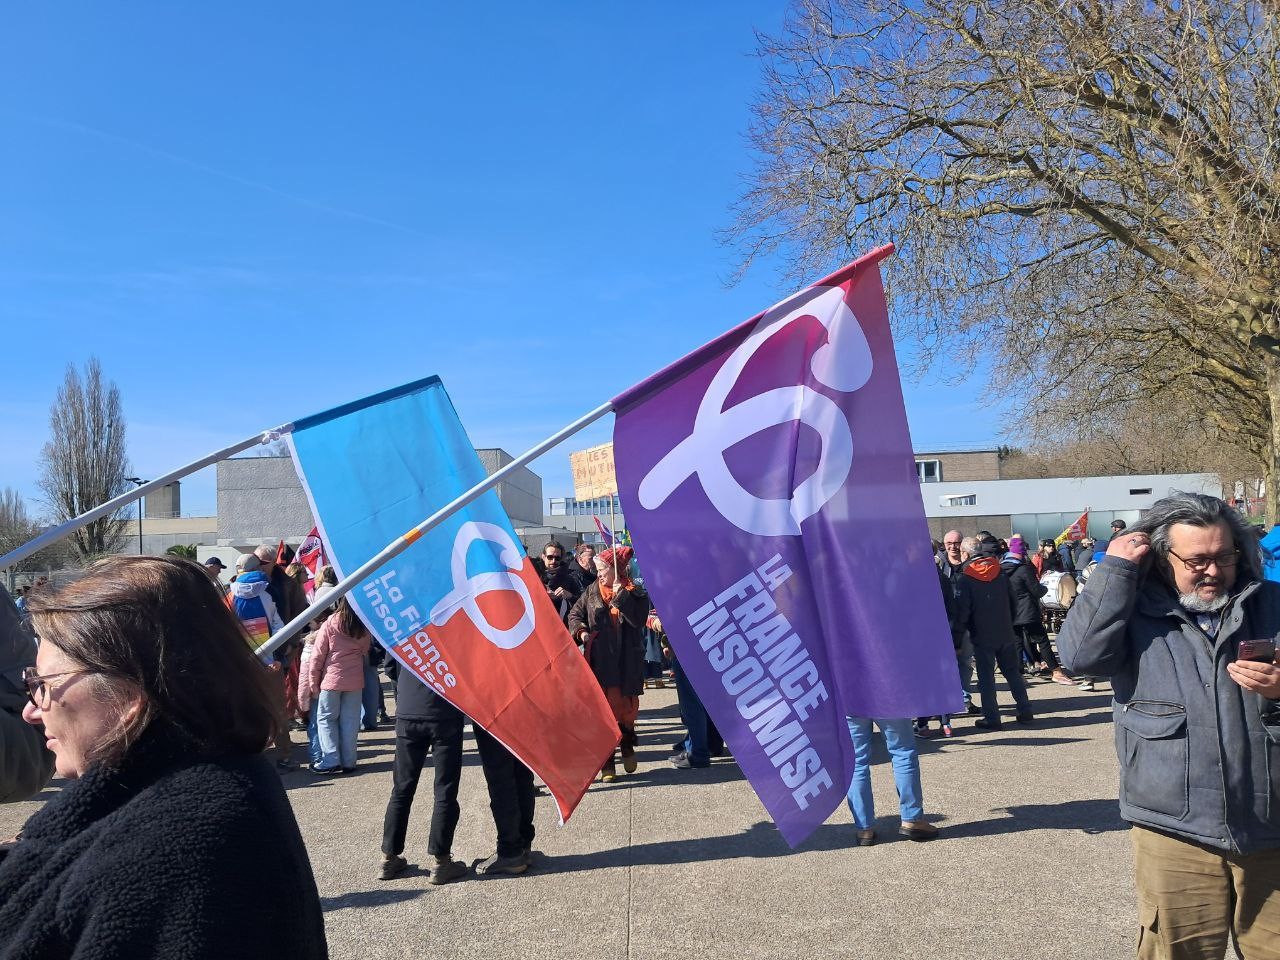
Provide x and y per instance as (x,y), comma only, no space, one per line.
(138,481)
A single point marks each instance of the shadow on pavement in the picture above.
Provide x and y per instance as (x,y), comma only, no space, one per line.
(1088,816)
(762,840)
(370,898)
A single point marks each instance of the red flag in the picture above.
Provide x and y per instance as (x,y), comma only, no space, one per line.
(1077,531)
(311,553)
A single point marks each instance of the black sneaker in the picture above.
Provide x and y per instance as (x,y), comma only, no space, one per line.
(972,709)
(447,870)
(1025,718)
(512,866)
(392,867)
(682,761)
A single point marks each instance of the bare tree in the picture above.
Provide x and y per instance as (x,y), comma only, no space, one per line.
(84,464)
(17,527)
(1088,188)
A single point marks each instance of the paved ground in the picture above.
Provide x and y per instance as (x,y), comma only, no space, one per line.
(1033,861)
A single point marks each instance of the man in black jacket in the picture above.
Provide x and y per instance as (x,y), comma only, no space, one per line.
(425,722)
(991,615)
(1028,622)
(562,586)
(950,567)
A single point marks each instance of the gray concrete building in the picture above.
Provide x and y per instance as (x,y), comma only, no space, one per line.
(261,500)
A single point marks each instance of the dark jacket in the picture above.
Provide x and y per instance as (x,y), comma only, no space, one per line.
(170,856)
(288,594)
(957,607)
(417,701)
(990,602)
(1199,754)
(1026,589)
(583,578)
(1066,553)
(615,651)
(562,577)
(25,764)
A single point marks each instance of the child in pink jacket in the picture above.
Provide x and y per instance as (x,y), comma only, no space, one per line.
(336,678)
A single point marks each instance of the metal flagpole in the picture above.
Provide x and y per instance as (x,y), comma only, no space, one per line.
(403,542)
(54,534)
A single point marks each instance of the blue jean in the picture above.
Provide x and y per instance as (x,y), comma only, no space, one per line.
(313,734)
(339,727)
(1009,659)
(900,741)
(694,715)
(371,703)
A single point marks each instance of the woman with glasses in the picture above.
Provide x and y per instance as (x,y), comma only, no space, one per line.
(173,836)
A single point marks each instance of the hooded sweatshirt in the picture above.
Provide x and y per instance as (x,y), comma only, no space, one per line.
(255,608)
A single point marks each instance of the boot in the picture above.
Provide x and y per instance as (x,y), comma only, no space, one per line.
(609,772)
(628,747)
(447,870)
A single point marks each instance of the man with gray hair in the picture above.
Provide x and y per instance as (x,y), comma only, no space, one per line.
(1178,616)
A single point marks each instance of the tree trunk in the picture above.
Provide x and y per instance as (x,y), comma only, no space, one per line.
(1271,464)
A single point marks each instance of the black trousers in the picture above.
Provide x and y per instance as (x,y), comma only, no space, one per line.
(413,739)
(510,785)
(1036,642)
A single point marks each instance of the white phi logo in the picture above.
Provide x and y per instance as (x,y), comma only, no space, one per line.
(843,363)
(467,589)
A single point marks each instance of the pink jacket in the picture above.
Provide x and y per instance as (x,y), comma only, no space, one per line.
(337,662)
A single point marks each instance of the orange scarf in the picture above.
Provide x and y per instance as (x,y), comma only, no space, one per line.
(607,595)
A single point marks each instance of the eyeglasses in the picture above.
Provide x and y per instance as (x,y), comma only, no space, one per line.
(951,543)
(1223,561)
(549,557)
(38,689)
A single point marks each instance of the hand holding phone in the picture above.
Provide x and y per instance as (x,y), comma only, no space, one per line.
(1261,651)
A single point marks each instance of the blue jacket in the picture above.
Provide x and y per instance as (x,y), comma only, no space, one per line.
(1199,754)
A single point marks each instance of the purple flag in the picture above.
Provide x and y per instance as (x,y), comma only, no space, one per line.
(770,488)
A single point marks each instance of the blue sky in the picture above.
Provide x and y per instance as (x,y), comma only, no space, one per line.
(250,212)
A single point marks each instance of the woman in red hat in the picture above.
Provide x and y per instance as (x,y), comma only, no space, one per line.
(608,620)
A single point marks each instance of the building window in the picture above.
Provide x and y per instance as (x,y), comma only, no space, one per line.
(960,500)
(929,471)
(1140,492)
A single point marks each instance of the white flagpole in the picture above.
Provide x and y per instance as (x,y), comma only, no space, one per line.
(54,534)
(402,543)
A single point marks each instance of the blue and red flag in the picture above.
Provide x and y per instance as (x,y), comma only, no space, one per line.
(776,461)
(463,607)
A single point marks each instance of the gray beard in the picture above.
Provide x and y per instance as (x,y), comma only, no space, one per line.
(1193,603)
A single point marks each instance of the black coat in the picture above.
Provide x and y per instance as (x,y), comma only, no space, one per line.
(1027,591)
(990,603)
(616,651)
(170,856)
(562,577)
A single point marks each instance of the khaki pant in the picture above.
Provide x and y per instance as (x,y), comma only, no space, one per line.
(1193,900)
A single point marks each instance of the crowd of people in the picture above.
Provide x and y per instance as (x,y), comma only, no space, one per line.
(156,709)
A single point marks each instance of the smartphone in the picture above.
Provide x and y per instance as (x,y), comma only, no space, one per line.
(1264,651)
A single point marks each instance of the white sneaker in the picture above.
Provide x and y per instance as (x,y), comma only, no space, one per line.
(1086,685)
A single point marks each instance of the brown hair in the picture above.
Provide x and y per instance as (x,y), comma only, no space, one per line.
(349,621)
(159,626)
